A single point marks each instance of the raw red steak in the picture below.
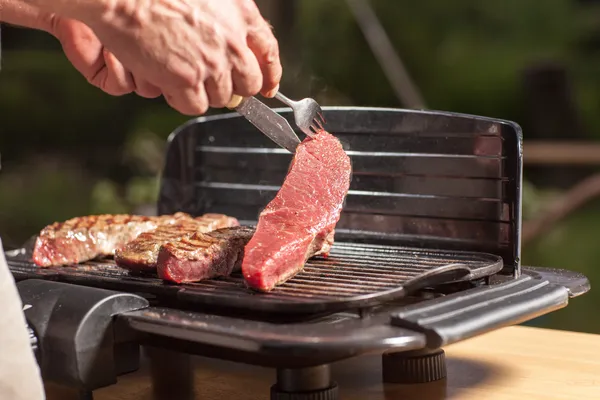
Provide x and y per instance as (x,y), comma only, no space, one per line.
(299,222)
(84,238)
(203,255)
(141,253)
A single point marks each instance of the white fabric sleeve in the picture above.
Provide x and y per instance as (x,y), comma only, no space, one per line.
(20,377)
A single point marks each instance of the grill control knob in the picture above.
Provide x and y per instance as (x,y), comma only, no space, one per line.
(420,366)
(330,393)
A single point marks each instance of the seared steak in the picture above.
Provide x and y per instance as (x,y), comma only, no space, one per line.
(203,255)
(84,238)
(299,222)
(141,253)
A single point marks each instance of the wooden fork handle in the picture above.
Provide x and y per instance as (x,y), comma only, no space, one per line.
(234,102)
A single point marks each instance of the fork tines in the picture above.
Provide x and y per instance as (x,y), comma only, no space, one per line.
(318,122)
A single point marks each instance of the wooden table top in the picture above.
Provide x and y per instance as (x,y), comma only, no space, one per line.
(514,363)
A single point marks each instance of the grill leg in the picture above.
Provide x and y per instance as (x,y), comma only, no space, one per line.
(304,384)
(171,373)
(420,366)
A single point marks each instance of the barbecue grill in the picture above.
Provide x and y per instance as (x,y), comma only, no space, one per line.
(427,253)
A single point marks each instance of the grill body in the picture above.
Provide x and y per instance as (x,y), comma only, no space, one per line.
(427,253)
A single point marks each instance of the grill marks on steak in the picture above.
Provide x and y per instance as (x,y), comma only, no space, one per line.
(300,221)
(141,254)
(85,238)
(203,255)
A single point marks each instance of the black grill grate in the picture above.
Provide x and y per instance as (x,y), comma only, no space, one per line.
(354,275)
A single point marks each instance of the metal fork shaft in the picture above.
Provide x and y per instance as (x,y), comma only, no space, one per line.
(279,96)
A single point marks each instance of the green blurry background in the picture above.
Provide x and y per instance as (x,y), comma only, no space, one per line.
(68,149)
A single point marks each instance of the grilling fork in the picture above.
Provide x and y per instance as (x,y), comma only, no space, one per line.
(307,114)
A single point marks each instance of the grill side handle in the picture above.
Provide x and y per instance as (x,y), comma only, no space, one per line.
(72,333)
(459,316)
(576,283)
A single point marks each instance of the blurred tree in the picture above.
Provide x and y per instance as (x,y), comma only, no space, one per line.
(465,55)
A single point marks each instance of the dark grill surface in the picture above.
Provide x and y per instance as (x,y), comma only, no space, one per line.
(354,275)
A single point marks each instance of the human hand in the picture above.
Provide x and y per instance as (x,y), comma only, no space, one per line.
(197,53)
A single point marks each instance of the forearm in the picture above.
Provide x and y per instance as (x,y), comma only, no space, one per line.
(18,12)
(81,10)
